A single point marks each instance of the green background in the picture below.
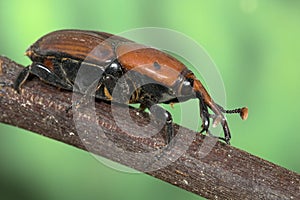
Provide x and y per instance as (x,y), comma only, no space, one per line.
(255,45)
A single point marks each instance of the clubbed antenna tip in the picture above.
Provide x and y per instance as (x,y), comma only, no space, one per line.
(244,113)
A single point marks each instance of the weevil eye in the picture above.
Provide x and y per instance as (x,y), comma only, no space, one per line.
(187,86)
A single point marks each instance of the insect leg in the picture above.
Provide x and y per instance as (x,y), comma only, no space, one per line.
(22,77)
(217,117)
(160,114)
(48,76)
(43,73)
(204,114)
(226,132)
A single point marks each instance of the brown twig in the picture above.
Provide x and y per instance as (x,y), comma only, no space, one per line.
(193,162)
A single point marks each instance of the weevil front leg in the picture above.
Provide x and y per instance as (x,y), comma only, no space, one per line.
(160,114)
(226,131)
(204,114)
(22,77)
(217,117)
(43,73)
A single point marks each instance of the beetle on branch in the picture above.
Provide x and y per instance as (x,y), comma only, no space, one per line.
(155,77)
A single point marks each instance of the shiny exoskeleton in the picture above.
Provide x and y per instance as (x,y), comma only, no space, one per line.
(72,59)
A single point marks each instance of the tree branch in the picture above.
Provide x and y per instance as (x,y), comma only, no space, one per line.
(193,162)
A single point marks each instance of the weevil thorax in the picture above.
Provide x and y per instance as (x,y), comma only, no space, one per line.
(157,65)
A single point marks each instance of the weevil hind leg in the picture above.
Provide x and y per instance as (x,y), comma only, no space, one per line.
(160,114)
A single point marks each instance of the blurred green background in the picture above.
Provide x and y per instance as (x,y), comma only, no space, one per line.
(255,45)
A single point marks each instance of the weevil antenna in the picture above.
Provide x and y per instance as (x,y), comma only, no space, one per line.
(242,111)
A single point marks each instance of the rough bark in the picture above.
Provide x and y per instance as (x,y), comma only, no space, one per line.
(193,162)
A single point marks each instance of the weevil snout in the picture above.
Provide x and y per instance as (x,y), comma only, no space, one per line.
(205,102)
